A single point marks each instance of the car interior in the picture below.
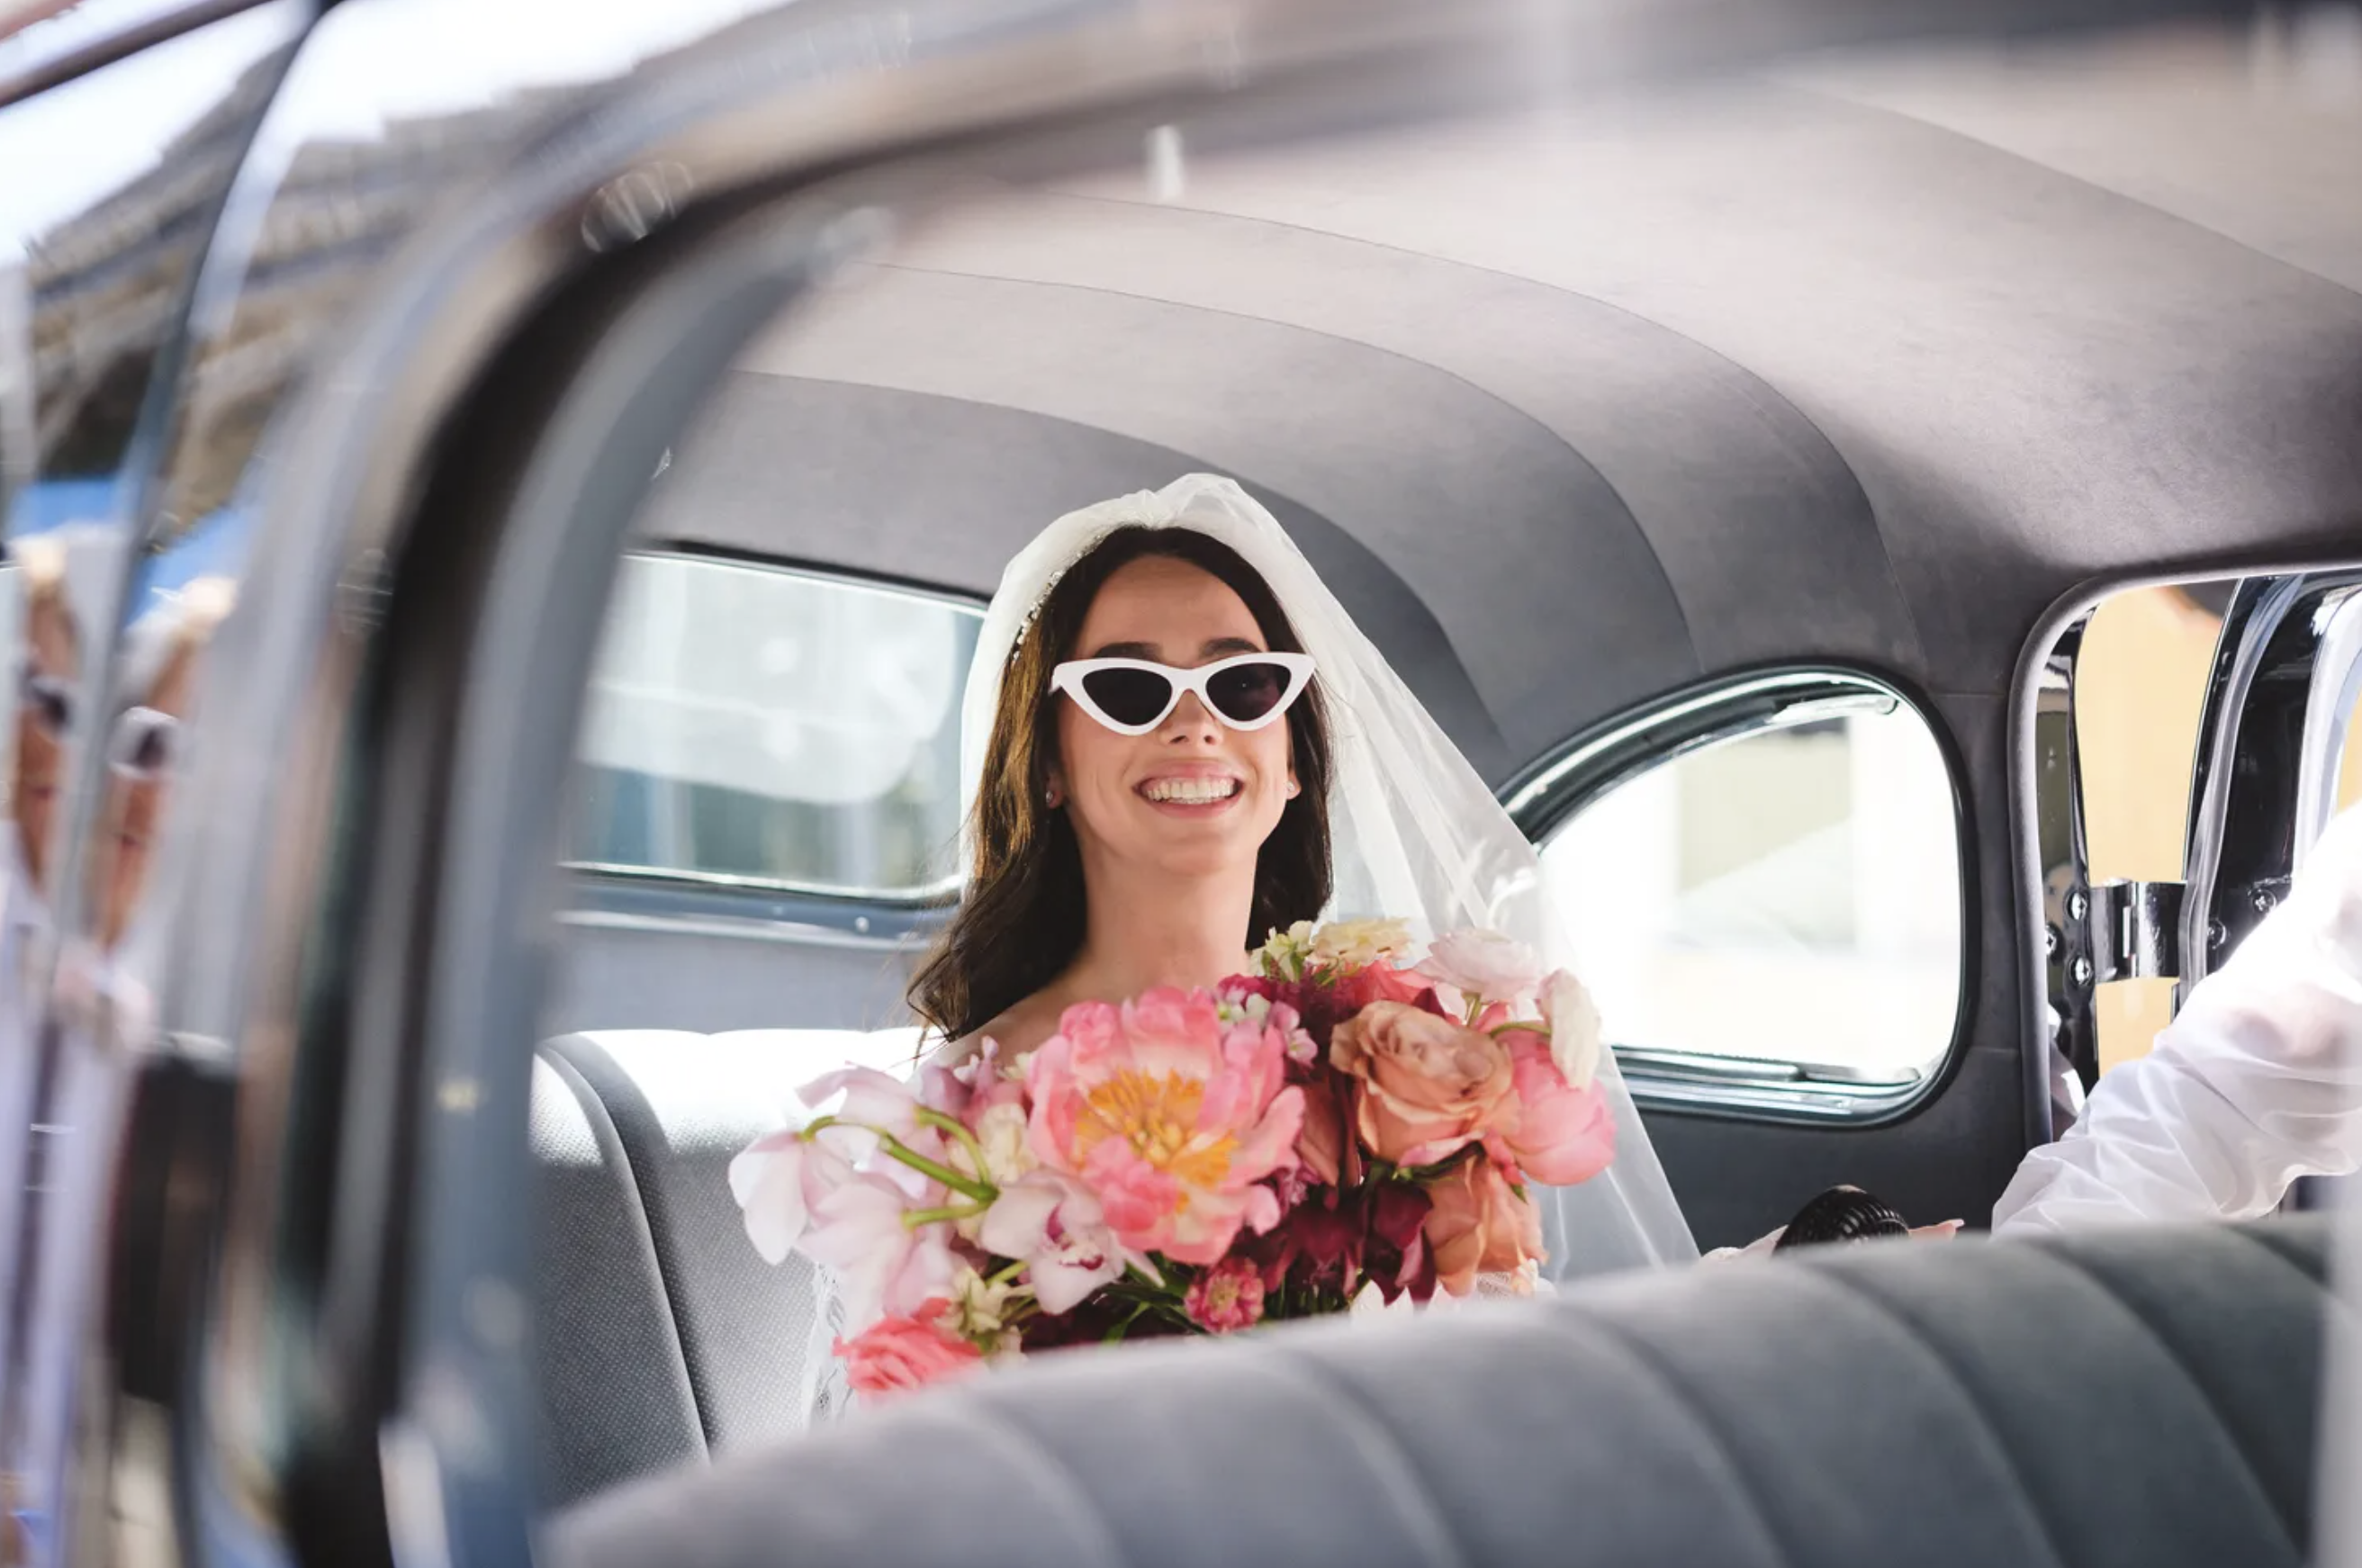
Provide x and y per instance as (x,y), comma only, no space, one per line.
(1881,512)
(1640,436)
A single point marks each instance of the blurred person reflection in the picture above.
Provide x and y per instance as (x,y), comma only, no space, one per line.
(47,665)
(162,655)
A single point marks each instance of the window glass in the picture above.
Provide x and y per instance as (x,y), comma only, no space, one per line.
(748,721)
(1792,893)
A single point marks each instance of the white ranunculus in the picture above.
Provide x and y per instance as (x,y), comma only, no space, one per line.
(1357,943)
(1573,1020)
(1484,964)
(1000,1131)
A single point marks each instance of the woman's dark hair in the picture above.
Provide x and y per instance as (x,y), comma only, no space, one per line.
(1022,921)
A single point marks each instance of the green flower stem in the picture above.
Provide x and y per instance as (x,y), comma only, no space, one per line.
(982,1192)
(966,1186)
(955,1212)
(1007,1275)
(960,1134)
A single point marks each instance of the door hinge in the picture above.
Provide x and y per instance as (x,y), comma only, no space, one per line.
(2135,931)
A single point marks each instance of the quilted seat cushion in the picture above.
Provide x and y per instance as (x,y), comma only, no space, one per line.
(2138,1397)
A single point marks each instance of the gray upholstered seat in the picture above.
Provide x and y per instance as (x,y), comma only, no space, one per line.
(661,1337)
(2131,1397)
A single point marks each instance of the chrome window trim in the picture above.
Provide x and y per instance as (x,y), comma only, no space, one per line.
(2328,716)
(2033,671)
(1556,790)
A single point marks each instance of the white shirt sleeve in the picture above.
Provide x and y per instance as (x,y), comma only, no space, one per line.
(2258,1081)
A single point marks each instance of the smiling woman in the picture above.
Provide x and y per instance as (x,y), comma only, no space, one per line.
(1148,828)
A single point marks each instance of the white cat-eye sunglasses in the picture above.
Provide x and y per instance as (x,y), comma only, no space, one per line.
(1132,696)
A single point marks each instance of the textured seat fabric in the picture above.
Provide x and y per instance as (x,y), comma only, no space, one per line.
(661,1335)
(614,1391)
(2135,1396)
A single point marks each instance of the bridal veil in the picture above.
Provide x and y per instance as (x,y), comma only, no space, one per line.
(1417,834)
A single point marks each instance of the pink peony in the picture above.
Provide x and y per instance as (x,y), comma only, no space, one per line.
(1226,1297)
(1426,1087)
(1559,1135)
(1170,1117)
(894,1354)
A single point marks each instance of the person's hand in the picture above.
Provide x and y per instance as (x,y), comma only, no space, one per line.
(1942,1231)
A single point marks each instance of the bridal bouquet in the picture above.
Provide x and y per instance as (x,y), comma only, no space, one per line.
(1339,1127)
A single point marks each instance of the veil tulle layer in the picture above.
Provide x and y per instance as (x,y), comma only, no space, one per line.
(1417,834)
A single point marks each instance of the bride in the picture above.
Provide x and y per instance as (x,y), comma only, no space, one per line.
(1176,741)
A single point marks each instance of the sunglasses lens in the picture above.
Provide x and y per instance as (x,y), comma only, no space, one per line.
(144,744)
(1129,696)
(50,703)
(1246,692)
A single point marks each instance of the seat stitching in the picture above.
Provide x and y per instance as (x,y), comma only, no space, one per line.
(2268,1240)
(2291,1529)
(1379,1429)
(613,1148)
(1919,1335)
(1655,1368)
(1081,1510)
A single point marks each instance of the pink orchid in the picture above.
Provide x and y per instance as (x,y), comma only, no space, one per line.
(775,1180)
(1170,1117)
(1556,1134)
(883,1265)
(873,1103)
(1052,1223)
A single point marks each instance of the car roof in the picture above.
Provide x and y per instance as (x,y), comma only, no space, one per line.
(1872,361)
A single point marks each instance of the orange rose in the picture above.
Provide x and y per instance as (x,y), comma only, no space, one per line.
(1425,1087)
(1479,1225)
(1320,1146)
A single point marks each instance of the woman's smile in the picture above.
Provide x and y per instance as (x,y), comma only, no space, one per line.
(1194,792)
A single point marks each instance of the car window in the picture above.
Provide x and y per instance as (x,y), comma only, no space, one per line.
(751,723)
(1789,894)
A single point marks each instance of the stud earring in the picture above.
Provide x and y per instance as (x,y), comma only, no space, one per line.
(1050,797)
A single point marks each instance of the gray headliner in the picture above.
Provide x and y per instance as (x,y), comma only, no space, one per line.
(1627,394)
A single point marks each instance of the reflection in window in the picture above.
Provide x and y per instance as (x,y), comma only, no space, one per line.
(1790,894)
(753,722)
